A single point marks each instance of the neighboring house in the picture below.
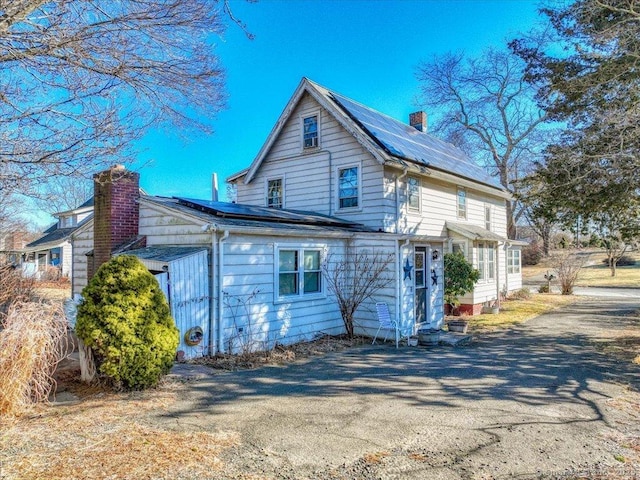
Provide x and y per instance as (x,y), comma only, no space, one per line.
(332,177)
(53,248)
(12,245)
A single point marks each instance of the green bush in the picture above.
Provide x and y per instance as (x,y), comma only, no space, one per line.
(459,277)
(125,319)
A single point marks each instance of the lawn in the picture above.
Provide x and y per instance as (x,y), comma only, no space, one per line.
(600,276)
(517,311)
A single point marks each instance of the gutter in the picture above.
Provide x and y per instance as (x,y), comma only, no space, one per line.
(220,285)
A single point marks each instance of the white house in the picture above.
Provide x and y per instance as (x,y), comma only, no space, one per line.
(332,177)
(332,155)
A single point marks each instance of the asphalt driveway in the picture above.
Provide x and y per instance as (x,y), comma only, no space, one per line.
(530,402)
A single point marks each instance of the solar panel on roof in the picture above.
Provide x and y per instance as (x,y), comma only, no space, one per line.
(235,210)
(404,141)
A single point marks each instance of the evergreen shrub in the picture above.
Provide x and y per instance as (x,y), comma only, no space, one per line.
(459,278)
(125,319)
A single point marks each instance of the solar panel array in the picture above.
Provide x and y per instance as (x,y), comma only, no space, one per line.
(406,142)
(235,210)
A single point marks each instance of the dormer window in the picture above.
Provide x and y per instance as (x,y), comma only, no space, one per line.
(310,132)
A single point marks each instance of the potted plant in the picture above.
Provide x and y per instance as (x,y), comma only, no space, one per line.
(459,279)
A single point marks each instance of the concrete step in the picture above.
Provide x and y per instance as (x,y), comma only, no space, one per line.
(455,339)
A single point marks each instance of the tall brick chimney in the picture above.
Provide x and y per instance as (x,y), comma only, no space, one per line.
(116,214)
(418,120)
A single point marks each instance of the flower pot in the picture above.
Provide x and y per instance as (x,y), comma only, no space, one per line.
(458,326)
(428,336)
(412,341)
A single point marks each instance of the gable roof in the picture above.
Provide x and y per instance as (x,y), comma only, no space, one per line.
(387,139)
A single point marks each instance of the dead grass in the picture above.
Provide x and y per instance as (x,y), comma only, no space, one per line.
(32,343)
(282,354)
(624,343)
(517,311)
(106,437)
(600,276)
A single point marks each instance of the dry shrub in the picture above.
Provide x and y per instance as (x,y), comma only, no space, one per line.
(13,288)
(567,265)
(33,342)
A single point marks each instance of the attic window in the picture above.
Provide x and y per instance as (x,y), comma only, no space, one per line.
(310,135)
(274,193)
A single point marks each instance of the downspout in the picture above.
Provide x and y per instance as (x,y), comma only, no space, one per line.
(498,275)
(405,171)
(506,267)
(220,285)
(212,301)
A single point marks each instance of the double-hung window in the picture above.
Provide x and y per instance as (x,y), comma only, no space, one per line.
(348,189)
(413,193)
(513,261)
(275,193)
(299,272)
(481,262)
(487,217)
(310,132)
(486,261)
(462,203)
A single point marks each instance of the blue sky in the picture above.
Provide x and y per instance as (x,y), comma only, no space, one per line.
(365,49)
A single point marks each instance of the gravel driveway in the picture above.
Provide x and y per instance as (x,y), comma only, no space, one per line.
(536,401)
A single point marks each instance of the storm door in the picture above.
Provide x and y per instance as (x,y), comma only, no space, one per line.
(421,286)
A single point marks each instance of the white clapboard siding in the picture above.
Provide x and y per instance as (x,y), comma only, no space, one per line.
(82,242)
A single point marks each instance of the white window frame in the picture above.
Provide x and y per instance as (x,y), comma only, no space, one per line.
(488,217)
(266,188)
(461,212)
(300,295)
(514,262)
(486,264)
(418,193)
(463,247)
(482,266)
(302,134)
(358,197)
(491,262)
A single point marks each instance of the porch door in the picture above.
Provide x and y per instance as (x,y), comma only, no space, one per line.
(421,286)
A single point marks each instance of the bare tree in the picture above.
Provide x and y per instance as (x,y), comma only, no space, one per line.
(64,193)
(83,79)
(486,108)
(355,277)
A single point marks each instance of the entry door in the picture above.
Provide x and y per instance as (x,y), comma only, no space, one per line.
(421,285)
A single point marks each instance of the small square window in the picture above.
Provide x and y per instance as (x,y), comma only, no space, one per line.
(348,187)
(310,135)
(299,272)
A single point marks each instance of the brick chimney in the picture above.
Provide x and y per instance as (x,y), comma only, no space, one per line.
(116,214)
(418,120)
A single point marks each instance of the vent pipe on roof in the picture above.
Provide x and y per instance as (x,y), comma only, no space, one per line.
(418,120)
(214,187)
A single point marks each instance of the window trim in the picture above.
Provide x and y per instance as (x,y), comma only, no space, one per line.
(488,223)
(418,185)
(358,197)
(303,117)
(482,261)
(486,264)
(266,188)
(464,247)
(300,272)
(512,267)
(460,213)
